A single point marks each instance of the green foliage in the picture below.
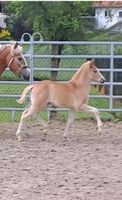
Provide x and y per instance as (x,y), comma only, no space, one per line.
(5,35)
(104,35)
(56,20)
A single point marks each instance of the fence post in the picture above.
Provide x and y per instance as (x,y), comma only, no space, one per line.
(111,75)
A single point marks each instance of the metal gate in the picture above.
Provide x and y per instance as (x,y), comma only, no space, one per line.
(39,55)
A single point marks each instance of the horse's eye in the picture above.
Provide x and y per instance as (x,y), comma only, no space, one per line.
(20,59)
(95,71)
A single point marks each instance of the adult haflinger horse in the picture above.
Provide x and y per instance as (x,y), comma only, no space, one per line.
(11,56)
(72,95)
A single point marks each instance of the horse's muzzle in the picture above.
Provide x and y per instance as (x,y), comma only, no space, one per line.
(26,73)
(102,80)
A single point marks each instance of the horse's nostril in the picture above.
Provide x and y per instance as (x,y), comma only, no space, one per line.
(102,80)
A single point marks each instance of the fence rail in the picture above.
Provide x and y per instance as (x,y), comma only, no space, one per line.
(39,63)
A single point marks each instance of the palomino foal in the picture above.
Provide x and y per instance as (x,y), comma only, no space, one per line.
(72,95)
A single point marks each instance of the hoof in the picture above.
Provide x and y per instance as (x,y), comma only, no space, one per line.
(19,138)
(45,132)
(100,130)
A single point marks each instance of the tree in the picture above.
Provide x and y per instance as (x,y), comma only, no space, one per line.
(1,7)
(56,20)
(16,22)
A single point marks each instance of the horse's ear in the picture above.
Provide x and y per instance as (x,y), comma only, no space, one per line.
(92,62)
(16,45)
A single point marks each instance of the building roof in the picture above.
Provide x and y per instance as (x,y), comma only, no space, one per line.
(107,4)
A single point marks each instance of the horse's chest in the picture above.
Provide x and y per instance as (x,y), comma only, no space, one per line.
(80,99)
(82,95)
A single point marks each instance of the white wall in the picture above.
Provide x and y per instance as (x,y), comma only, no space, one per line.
(104,22)
(2,20)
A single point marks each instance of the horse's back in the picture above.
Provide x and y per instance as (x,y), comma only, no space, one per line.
(47,91)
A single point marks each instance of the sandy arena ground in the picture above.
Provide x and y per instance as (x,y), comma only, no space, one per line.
(86,167)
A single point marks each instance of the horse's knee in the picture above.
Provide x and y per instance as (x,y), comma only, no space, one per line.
(95,110)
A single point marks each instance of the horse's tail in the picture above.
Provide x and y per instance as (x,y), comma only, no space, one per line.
(24,93)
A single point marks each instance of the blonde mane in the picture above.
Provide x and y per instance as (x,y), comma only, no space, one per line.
(82,71)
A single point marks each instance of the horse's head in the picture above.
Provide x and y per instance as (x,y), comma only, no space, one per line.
(16,62)
(94,73)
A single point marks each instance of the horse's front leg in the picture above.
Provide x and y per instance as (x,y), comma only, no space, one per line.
(87,108)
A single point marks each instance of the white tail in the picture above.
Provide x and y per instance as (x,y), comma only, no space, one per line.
(24,93)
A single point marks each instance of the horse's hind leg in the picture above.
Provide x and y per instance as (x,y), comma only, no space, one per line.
(42,122)
(28,112)
(71,117)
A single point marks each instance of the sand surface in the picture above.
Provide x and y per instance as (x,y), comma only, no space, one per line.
(86,167)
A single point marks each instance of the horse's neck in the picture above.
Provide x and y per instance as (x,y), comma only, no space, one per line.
(2,68)
(81,78)
(3,55)
(1,47)
(4,52)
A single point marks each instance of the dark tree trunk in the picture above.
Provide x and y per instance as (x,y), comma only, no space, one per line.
(56,50)
(1,7)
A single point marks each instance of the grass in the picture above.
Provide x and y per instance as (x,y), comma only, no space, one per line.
(5,116)
(8,117)
(105,116)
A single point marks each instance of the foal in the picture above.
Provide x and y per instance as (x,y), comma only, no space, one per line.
(72,95)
